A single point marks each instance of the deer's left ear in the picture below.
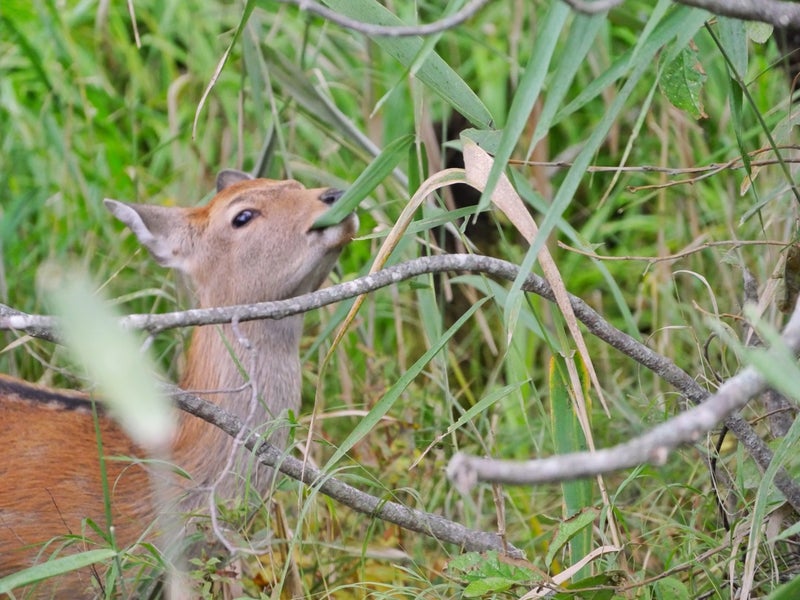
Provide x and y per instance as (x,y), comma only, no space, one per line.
(228,177)
(164,231)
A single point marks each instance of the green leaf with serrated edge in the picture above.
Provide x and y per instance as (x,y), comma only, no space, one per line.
(682,83)
(369,179)
(567,530)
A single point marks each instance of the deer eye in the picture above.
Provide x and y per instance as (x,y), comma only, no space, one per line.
(243,218)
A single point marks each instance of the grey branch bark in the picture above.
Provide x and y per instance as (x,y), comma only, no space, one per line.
(372,29)
(42,326)
(774,12)
(412,519)
(779,13)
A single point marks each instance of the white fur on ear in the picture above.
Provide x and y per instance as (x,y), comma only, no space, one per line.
(228,177)
(160,229)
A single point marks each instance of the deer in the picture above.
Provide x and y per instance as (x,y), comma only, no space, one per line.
(254,241)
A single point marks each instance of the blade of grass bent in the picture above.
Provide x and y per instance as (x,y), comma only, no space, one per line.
(478,168)
(682,21)
(248,9)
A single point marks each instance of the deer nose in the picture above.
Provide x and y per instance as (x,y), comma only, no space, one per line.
(330,196)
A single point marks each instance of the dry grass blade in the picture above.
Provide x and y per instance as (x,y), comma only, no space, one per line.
(478,165)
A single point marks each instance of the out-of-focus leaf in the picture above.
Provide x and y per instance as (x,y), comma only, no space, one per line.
(112,358)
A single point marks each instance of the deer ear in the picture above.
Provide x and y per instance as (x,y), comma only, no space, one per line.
(162,230)
(228,177)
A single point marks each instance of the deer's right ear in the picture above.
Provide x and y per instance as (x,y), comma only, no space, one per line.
(228,177)
(163,231)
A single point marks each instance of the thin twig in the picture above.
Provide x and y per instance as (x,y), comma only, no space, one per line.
(652,447)
(677,255)
(774,12)
(372,29)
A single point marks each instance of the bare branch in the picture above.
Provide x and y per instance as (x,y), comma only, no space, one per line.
(774,12)
(592,7)
(371,29)
(41,326)
(412,519)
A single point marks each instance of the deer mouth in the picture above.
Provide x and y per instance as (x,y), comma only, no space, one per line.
(338,235)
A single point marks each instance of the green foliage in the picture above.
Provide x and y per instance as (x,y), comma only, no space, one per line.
(488,573)
(622,106)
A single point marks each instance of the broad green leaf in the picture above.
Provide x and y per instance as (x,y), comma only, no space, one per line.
(759,32)
(369,179)
(568,530)
(54,567)
(670,588)
(682,83)
(433,72)
(487,585)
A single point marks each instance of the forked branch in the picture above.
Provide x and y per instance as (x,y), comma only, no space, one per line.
(43,326)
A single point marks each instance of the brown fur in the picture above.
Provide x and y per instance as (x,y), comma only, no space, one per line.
(49,464)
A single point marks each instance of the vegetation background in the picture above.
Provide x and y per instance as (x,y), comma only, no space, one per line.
(107,99)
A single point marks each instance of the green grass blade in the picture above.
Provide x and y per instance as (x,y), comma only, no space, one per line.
(54,567)
(581,38)
(680,22)
(390,397)
(568,437)
(369,179)
(527,94)
(433,72)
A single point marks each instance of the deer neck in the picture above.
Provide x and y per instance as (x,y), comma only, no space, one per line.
(244,369)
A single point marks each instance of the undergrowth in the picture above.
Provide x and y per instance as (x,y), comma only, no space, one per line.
(88,112)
